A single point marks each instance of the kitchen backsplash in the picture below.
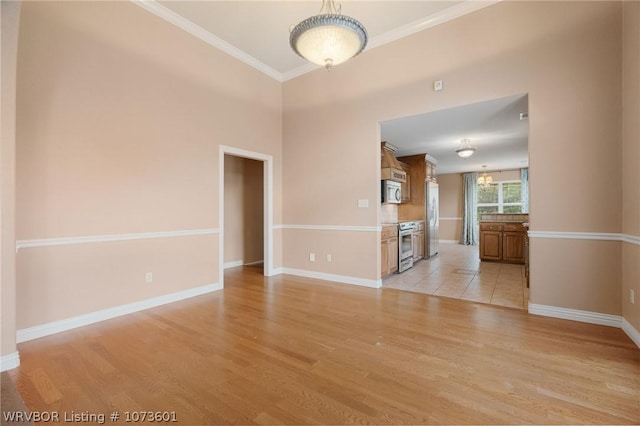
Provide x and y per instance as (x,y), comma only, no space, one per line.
(389,213)
(505,217)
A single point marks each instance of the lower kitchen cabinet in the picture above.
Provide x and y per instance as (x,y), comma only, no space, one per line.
(389,249)
(418,241)
(503,242)
(490,245)
(513,248)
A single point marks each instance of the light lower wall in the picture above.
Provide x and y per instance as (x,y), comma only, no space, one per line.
(243,210)
(631,160)
(119,121)
(10,26)
(351,252)
(586,273)
(565,55)
(61,282)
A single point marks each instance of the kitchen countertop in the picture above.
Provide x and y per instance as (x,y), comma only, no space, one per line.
(400,221)
(502,221)
(505,217)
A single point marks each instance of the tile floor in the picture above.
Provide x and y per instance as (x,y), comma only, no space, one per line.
(457,272)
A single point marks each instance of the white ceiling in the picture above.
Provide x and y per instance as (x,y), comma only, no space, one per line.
(257,32)
(494,127)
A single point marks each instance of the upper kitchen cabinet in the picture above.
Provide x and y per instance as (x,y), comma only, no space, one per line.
(405,187)
(430,167)
(391,167)
(413,208)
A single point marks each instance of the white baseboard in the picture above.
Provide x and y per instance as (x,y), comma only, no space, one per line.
(236,263)
(274,271)
(54,327)
(576,315)
(448,241)
(333,277)
(232,264)
(9,361)
(588,317)
(631,332)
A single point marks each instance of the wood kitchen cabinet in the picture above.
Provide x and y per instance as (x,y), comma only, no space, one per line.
(430,166)
(503,242)
(490,245)
(389,250)
(405,187)
(418,241)
(514,243)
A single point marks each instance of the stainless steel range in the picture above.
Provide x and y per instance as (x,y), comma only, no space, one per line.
(405,245)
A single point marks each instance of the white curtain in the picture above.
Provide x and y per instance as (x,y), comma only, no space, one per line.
(524,178)
(470,212)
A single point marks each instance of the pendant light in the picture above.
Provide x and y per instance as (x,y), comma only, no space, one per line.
(485,180)
(465,150)
(328,38)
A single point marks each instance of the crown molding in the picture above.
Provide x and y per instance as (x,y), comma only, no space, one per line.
(204,35)
(438,18)
(430,21)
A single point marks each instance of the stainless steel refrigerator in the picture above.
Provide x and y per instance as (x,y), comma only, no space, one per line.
(432,222)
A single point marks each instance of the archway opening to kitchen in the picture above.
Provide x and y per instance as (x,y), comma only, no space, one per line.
(463,197)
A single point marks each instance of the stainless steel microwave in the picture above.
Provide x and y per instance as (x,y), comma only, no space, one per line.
(391,192)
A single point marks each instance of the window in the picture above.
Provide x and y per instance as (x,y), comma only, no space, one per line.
(500,197)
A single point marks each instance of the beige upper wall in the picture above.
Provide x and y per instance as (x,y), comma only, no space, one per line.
(565,55)
(120,117)
(10,12)
(451,206)
(631,160)
(630,119)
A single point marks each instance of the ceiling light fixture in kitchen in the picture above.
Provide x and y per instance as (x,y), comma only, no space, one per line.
(465,150)
(328,38)
(485,180)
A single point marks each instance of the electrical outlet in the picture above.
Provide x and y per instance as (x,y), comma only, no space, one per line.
(632,296)
(148,277)
(312,257)
(438,85)
(329,258)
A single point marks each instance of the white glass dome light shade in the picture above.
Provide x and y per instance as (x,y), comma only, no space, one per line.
(465,150)
(328,40)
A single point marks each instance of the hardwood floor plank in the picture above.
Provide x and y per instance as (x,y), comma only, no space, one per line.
(290,350)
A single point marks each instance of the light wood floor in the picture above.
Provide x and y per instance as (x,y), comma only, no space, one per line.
(290,350)
(457,272)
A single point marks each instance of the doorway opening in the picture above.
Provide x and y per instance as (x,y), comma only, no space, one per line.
(498,132)
(245,211)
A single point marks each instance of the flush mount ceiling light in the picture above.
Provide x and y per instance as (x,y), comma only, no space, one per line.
(465,150)
(485,180)
(328,38)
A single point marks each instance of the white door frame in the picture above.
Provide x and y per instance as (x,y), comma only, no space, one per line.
(267,171)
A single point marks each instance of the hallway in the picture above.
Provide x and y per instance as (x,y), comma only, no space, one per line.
(457,272)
